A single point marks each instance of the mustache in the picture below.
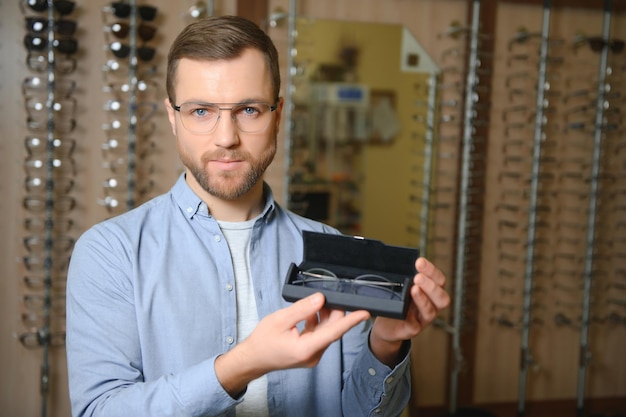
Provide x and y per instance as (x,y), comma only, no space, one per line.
(225,154)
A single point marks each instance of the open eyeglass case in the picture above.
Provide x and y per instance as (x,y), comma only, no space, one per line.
(354,273)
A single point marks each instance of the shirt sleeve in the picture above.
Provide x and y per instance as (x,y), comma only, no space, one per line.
(103,345)
(373,389)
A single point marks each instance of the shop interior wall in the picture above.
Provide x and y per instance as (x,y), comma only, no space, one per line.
(496,365)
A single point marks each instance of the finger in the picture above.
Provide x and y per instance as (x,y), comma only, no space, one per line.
(434,292)
(305,309)
(426,311)
(424,266)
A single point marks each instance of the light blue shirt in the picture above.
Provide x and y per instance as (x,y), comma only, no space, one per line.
(151,304)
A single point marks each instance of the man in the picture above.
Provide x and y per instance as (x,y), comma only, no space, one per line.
(175,308)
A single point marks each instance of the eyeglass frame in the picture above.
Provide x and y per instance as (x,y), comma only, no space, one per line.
(219,113)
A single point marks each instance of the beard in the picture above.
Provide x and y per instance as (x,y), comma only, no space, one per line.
(230,185)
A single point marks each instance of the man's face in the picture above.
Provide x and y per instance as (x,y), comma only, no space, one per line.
(226,163)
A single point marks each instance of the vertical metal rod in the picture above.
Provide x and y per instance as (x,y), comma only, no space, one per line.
(428,162)
(461,248)
(132,108)
(210,7)
(591,220)
(289,105)
(44,331)
(526,357)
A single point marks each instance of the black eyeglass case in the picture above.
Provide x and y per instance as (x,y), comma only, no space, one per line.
(350,257)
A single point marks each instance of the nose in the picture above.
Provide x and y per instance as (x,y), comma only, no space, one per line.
(226,131)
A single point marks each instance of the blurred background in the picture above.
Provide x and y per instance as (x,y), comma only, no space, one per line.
(489,134)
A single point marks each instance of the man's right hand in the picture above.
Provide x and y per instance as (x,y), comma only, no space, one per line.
(276,343)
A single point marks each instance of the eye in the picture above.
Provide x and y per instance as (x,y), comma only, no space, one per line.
(249,111)
(200,111)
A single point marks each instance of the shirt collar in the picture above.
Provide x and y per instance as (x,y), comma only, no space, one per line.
(190,204)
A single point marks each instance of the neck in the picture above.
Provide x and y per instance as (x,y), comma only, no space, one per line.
(241,209)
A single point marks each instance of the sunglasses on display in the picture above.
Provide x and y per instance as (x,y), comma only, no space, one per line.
(39,26)
(122,50)
(63,7)
(37,43)
(123,10)
(121,30)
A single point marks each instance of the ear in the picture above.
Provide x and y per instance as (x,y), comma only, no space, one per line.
(279,113)
(171,114)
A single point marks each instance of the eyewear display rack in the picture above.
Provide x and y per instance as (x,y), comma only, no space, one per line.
(526,357)
(48,264)
(470,203)
(594,192)
(535,192)
(133,129)
(532,183)
(430,150)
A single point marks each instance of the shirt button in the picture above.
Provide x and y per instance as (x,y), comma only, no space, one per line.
(372,371)
(189,209)
(229,287)
(230,340)
(217,238)
(389,380)
(378,411)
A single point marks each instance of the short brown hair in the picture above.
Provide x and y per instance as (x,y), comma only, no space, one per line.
(221,37)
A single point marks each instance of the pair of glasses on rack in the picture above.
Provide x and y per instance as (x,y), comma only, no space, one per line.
(369,285)
(39,26)
(62,7)
(121,30)
(36,43)
(123,10)
(122,50)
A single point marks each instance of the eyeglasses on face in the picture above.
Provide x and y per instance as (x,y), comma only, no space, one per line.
(121,50)
(121,30)
(369,285)
(123,10)
(63,7)
(39,26)
(251,117)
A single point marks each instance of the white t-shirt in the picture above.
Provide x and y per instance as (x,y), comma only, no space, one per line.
(238,237)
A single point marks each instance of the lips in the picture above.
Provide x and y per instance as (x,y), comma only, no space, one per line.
(226,164)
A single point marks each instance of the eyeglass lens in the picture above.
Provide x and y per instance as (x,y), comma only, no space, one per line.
(203,117)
